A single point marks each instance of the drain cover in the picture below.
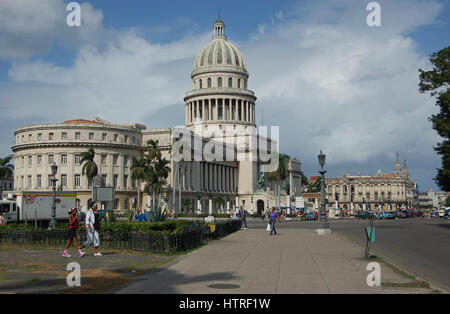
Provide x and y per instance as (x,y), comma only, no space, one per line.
(224,286)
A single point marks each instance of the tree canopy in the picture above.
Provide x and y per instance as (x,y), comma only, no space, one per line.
(437,83)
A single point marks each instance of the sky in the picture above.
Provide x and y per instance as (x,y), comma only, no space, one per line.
(324,76)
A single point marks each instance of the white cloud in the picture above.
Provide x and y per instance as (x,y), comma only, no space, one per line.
(320,72)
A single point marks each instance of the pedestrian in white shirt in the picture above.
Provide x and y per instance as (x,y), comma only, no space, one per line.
(92,224)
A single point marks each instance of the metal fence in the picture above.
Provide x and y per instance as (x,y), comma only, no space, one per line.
(191,237)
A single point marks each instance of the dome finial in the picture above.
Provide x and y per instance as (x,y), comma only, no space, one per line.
(219,28)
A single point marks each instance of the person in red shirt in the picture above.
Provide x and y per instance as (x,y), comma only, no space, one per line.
(72,233)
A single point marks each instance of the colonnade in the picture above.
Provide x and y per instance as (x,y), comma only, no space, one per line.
(220,109)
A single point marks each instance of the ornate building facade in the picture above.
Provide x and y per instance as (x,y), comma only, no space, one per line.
(220,111)
(382,191)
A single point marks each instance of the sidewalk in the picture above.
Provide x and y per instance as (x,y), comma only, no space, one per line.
(251,261)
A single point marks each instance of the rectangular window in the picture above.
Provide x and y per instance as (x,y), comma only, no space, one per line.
(51,159)
(125,181)
(77,159)
(39,159)
(115,159)
(134,139)
(39,181)
(30,160)
(63,159)
(64,180)
(103,182)
(125,139)
(91,136)
(77,135)
(104,136)
(64,136)
(30,137)
(77,180)
(104,159)
(49,182)
(29,182)
(51,136)
(116,137)
(116,178)
(39,136)
(125,161)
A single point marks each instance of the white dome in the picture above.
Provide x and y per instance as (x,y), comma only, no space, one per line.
(220,54)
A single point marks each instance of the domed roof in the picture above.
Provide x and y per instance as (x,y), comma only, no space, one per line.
(220,53)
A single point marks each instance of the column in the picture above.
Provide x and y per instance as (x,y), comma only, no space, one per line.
(203,111)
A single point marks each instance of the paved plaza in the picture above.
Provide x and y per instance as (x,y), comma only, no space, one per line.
(294,261)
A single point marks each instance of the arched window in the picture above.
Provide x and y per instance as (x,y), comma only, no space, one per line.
(209,82)
(219,82)
(230,82)
(200,83)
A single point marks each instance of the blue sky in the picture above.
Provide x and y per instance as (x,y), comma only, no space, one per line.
(315,66)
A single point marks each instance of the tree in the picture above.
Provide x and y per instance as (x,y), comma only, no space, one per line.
(6,168)
(186,203)
(278,176)
(437,82)
(218,200)
(314,186)
(89,168)
(157,170)
(138,172)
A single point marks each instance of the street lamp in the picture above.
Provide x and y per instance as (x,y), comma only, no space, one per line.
(54,168)
(323,226)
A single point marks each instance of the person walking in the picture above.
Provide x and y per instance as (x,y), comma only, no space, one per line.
(72,233)
(273,218)
(243,214)
(92,227)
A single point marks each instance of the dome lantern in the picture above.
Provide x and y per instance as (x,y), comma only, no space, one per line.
(219,28)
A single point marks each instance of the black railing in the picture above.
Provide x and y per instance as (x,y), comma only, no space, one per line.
(190,237)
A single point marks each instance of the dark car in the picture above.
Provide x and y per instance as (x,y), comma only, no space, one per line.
(364,215)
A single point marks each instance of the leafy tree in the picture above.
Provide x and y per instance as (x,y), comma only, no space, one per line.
(90,168)
(437,82)
(157,170)
(186,203)
(6,168)
(279,175)
(138,172)
(314,187)
(218,200)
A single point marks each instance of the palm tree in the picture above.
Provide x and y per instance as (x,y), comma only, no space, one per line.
(218,200)
(90,168)
(6,169)
(186,203)
(279,175)
(139,169)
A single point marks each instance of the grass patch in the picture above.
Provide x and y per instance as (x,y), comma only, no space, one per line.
(414,284)
(394,268)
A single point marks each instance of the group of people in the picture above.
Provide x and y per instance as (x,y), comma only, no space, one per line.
(273,217)
(92,225)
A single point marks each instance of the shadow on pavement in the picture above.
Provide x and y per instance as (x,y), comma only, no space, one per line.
(168,281)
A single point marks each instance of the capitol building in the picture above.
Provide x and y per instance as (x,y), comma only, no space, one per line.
(219,110)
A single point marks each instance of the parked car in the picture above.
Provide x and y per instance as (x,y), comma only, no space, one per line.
(401,214)
(311,216)
(364,215)
(385,215)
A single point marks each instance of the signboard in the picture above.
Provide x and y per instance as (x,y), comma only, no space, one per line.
(299,202)
(103,194)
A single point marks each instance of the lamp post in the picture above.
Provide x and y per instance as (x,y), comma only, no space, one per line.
(54,168)
(323,225)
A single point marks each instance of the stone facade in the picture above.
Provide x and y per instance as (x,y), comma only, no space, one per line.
(218,106)
(382,191)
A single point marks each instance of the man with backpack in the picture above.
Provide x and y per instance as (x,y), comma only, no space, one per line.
(92,228)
